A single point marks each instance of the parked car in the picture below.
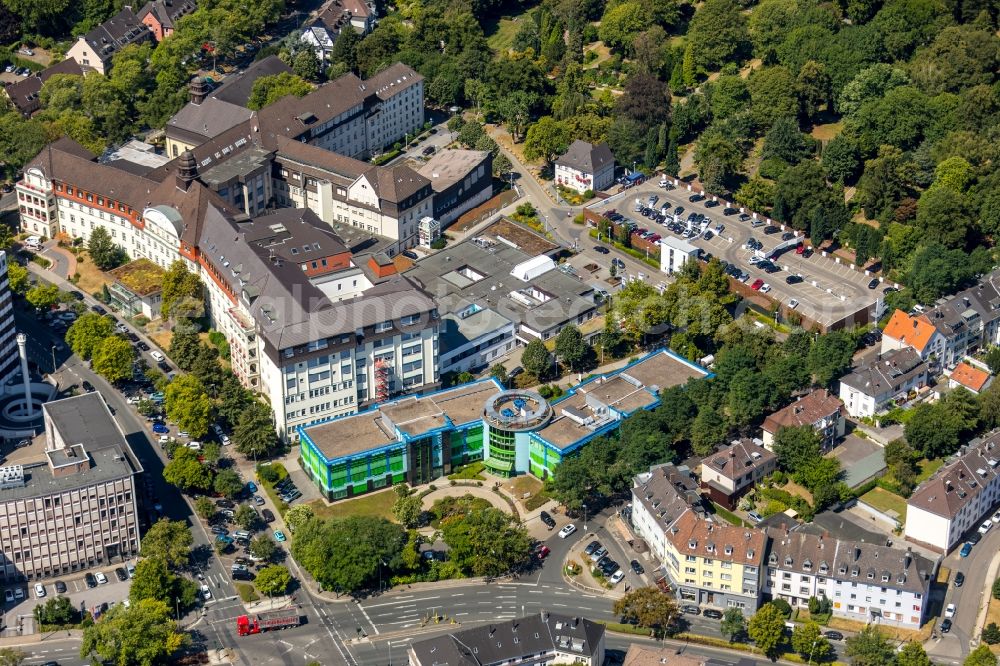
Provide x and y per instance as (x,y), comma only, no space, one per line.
(267,515)
(90,580)
(566,531)
(60,587)
(966,549)
(616,577)
(873,283)
(157,356)
(946,626)
(279,536)
(713,614)
(160,428)
(689,609)
(39,590)
(121,574)
(591,547)
(792,304)
(959,579)
(949,611)
(87,386)
(598,554)
(542,552)
(101,578)
(985,527)
(757,284)
(833,635)
(793,279)
(8,596)
(548,520)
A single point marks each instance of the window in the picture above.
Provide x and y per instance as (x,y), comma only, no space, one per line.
(383,326)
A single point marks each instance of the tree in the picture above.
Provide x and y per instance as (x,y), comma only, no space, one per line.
(718,35)
(87,333)
(913,654)
(56,610)
(943,216)
(785,142)
(547,138)
(273,580)
(870,647)
(733,625)
(179,287)
(345,554)
(773,95)
(647,607)
(113,359)
(43,297)
(187,472)
(842,159)
(991,634)
(933,430)
(344,49)
(572,349)
(254,434)
(152,580)
(981,656)
(830,356)
(485,542)
(168,540)
(269,89)
(263,547)
(297,515)
(809,642)
(227,482)
(140,635)
(797,448)
(103,251)
(757,194)
(718,159)
(767,629)
(305,65)
(407,507)
(233,399)
(17,276)
(621,23)
(188,405)
(536,359)
(707,430)
(205,508)
(184,347)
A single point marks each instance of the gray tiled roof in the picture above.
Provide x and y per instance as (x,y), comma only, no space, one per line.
(739,458)
(958,482)
(893,369)
(236,88)
(117,32)
(983,299)
(586,157)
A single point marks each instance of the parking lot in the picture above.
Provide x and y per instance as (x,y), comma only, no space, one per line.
(829,290)
(89,598)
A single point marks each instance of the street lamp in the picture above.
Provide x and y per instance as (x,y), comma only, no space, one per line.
(811,648)
(177,608)
(584,518)
(53,350)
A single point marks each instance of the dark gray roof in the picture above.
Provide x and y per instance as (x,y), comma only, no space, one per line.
(893,369)
(667,491)
(511,640)
(167,12)
(586,157)
(958,482)
(952,317)
(739,458)
(85,419)
(117,32)
(236,88)
(210,118)
(23,94)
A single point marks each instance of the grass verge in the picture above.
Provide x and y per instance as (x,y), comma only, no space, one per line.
(728,515)
(247,593)
(470,471)
(884,501)
(372,504)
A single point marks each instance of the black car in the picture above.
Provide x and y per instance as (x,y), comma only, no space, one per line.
(744,218)
(225,504)
(591,547)
(636,567)
(60,587)
(221,531)
(771,268)
(771,229)
(873,283)
(90,580)
(679,210)
(601,249)
(959,579)
(695,198)
(87,386)
(975,538)
(267,515)
(946,626)
(142,346)
(787,236)
(547,519)
(688,609)
(729,211)
(833,635)
(808,253)
(712,614)
(711,204)
(608,567)
(76,296)
(132,336)
(429,150)
(793,279)
(242,574)
(121,574)
(164,366)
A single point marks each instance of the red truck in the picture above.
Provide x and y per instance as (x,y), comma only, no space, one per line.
(267,620)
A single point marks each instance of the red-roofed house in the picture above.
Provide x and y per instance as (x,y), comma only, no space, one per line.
(915,332)
(820,409)
(969,377)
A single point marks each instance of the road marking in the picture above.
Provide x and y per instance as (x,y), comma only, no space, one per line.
(361,608)
(561,605)
(396,603)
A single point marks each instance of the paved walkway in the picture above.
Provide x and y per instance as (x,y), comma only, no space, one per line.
(63,261)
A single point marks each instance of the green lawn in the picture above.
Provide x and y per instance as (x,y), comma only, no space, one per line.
(883,500)
(501,40)
(928,467)
(373,504)
(728,515)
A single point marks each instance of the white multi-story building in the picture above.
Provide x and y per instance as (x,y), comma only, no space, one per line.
(8,332)
(960,495)
(306,326)
(674,253)
(868,389)
(586,166)
(68,500)
(865,582)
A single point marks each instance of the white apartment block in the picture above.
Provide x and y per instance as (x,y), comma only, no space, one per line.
(957,498)
(865,582)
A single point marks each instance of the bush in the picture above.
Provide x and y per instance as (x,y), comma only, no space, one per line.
(991,634)
(246,592)
(439,243)
(996,589)
(470,471)
(783,606)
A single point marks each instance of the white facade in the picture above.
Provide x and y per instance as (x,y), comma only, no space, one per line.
(938,531)
(400,114)
(319,40)
(674,253)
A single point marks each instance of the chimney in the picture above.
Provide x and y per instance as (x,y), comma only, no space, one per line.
(187,170)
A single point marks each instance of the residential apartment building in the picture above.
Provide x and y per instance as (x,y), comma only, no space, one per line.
(586,166)
(969,377)
(959,495)
(306,326)
(819,409)
(333,17)
(96,49)
(161,16)
(728,474)
(869,389)
(865,582)
(914,332)
(23,94)
(68,501)
(543,638)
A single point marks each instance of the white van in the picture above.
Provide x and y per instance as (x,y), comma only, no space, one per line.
(241,534)
(33,243)
(663,181)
